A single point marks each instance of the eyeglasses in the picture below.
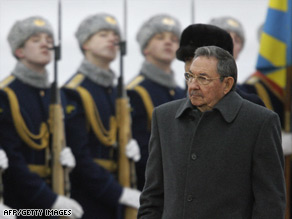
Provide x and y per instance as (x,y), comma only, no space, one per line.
(203,80)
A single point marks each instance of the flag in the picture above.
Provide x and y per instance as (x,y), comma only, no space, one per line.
(275,54)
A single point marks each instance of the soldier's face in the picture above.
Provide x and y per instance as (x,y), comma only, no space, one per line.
(188,64)
(162,48)
(237,44)
(102,45)
(36,50)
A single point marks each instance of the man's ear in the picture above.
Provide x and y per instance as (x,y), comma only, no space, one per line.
(228,84)
(19,53)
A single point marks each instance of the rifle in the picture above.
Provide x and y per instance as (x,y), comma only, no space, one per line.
(60,175)
(192,11)
(126,168)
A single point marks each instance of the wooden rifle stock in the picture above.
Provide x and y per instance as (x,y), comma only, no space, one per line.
(60,175)
(126,168)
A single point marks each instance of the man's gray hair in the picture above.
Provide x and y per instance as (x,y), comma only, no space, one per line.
(226,66)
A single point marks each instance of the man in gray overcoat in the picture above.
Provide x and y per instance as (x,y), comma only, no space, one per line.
(213,154)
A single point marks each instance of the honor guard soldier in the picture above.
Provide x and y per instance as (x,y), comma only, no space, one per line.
(24,128)
(158,39)
(235,29)
(91,122)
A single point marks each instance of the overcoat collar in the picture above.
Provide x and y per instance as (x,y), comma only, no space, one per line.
(228,106)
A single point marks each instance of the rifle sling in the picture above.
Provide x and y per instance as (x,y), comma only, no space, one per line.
(109,165)
(106,137)
(147,102)
(42,170)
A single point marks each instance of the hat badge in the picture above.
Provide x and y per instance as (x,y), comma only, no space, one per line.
(39,22)
(168,21)
(110,20)
(232,23)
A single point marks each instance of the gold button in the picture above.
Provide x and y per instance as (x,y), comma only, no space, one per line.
(42,93)
(172,93)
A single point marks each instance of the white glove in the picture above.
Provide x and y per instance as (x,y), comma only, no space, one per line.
(287,142)
(63,202)
(133,150)
(67,158)
(3,160)
(130,197)
(2,208)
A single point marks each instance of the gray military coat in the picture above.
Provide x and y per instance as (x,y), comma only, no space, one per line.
(226,163)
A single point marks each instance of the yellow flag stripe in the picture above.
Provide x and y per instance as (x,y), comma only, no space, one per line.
(273,50)
(279,5)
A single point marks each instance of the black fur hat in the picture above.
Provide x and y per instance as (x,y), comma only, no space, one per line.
(198,35)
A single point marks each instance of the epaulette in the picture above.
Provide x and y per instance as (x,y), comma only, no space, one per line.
(252,80)
(75,81)
(8,80)
(145,96)
(137,80)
